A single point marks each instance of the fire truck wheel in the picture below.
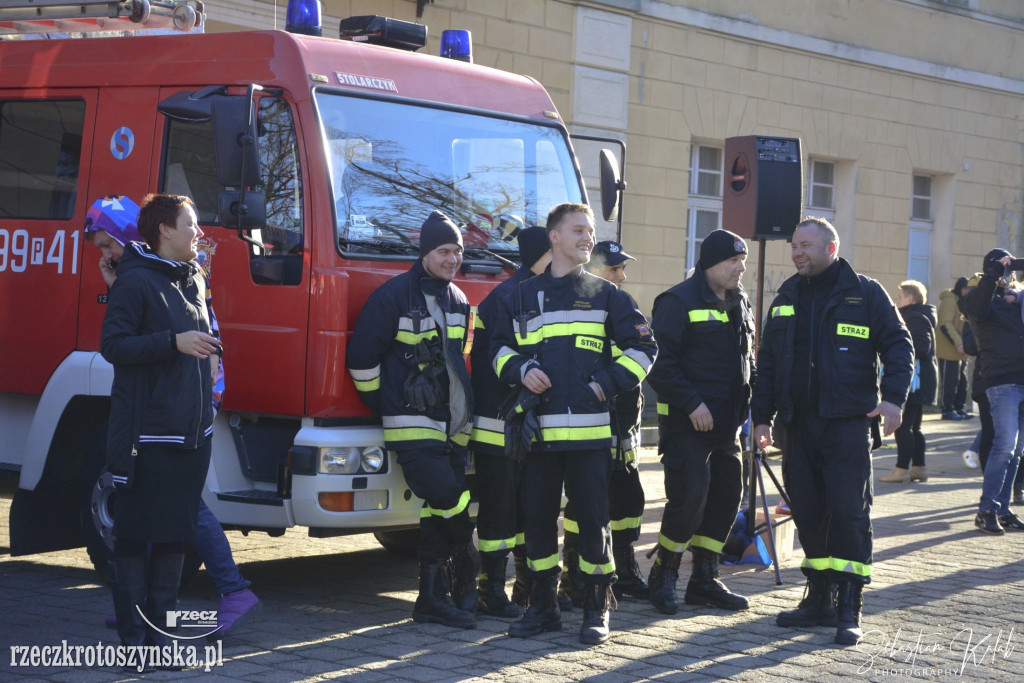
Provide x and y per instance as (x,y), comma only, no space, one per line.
(404,542)
(96,510)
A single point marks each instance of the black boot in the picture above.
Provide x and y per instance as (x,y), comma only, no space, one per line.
(570,588)
(434,604)
(818,607)
(596,603)
(465,564)
(164,581)
(543,613)
(705,588)
(662,581)
(491,589)
(521,586)
(848,602)
(630,581)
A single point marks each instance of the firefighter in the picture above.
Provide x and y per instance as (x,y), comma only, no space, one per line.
(406,360)
(498,476)
(818,377)
(703,379)
(625,492)
(555,339)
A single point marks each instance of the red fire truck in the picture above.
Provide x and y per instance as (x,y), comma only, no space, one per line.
(312,161)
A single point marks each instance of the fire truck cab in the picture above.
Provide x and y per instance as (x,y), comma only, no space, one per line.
(312,161)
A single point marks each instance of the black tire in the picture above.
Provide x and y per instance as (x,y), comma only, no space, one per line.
(404,542)
(96,511)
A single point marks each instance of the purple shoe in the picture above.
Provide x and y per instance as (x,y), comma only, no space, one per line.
(234,610)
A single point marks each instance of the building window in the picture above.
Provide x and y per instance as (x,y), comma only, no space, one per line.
(704,205)
(919,244)
(921,200)
(821,188)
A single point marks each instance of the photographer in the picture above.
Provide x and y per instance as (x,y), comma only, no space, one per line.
(999,328)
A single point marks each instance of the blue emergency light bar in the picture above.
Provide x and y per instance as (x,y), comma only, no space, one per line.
(457,44)
(303,17)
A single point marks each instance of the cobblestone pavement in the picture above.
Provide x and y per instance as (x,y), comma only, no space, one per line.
(945,603)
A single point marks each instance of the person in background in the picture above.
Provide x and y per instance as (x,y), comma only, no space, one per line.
(498,476)
(949,349)
(110,224)
(997,324)
(156,334)
(817,373)
(912,302)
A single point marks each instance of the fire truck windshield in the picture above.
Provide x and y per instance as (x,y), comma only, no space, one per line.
(391,165)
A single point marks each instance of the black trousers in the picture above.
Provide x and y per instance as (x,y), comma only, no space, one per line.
(910,443)
(988,431)
(826,466)
(585,476)
(438,476)
(703,483)
(625,506)
(954,384)
(499,517)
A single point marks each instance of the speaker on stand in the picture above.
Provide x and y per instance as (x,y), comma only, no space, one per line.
(762,199)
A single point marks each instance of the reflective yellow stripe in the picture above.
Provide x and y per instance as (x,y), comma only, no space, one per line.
(837,564)
(858,331)
(521,538)
(668,544)
(450,512)
(461,439)
(570,526)
(540,565)
(576,433)
(411,338)
(632,366)
(478,323)
(488,437)
(596,569)
(413,434)
(707,543)
(783,311)
(371,385)
(552,330)
(456,332)
(662,408)
(702,315)
(503,356)
(500,544)
(626,523)
(631,455)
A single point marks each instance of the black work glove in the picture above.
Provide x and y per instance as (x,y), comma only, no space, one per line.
(423,391)
(429,350)
(521,423)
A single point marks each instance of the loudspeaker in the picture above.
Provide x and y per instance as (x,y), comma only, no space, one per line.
(763,186)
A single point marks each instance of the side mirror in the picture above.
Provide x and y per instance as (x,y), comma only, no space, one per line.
(242,213)
(235,141)
(611,186)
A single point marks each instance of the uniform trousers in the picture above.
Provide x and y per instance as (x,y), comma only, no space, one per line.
(585,476)
(499,519)
(826,467)
(438,476)
(625,505)
(703,483)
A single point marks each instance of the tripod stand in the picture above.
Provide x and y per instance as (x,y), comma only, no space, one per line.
(757,462)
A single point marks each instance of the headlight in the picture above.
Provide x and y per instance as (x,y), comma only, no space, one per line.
(373,459)
(338,461)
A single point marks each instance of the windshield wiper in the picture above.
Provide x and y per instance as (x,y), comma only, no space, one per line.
(480,253)
(379,245)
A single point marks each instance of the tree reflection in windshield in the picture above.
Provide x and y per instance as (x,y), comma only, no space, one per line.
(392,164)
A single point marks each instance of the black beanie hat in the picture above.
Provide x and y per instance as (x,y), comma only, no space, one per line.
(438,229)
(719,246)
(533,243)
(995,255)
(959,286)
